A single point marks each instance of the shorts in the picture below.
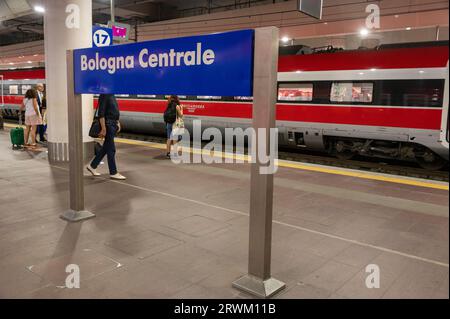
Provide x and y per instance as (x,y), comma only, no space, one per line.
(169,129)
(33,120)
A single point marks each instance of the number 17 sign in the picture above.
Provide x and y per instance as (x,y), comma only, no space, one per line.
(101,37)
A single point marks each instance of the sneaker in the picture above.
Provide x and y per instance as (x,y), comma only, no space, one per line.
(92,170)
(118,177)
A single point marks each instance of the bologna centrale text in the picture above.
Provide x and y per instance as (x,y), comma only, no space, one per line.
(146,59)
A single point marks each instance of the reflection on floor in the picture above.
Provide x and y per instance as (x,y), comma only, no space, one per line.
(181,231)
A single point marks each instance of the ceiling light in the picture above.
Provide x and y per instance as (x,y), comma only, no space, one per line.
(39,9)
(408,28)
(298,71)
(285,39)
(363,32)
(361,73)
(11,63)
(421,71)
(373,69)
(29,62)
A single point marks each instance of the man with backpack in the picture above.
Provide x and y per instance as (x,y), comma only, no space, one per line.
(173,111)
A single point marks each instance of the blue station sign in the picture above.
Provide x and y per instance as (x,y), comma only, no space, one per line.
(217,65)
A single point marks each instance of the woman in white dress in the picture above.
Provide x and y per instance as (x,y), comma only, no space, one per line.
(33,117)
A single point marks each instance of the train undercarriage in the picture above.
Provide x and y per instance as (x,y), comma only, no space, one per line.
(347,148)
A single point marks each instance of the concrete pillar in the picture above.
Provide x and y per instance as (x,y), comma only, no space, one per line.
(67,26)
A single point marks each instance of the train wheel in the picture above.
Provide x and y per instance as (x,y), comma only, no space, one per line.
(342,152)
(430,161)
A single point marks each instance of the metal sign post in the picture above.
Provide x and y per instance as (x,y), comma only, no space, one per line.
(258,281)
(77,211)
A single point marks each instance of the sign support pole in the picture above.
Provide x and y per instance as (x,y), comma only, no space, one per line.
(258,281)
(76,212)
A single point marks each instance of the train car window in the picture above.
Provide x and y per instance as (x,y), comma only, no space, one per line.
(25,88)
(243,98)
(351,92)
(13,89)
(146,96)
(208,97)
(227,98)
(322,92)
(424,93)
(184,97)
(295,92)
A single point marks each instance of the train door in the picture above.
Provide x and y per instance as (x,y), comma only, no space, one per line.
(445,114)
(306,137)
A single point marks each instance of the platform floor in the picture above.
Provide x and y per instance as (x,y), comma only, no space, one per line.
(181,231)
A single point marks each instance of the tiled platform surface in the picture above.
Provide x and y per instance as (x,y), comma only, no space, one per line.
(180,231)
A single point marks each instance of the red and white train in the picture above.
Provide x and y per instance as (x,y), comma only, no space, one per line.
(387,102)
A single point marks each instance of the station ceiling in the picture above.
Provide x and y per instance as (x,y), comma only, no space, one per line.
(19,23)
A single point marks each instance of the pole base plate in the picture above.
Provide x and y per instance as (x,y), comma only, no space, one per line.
(76,216)
(258,287)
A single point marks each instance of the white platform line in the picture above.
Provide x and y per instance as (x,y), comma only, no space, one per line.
(352,241)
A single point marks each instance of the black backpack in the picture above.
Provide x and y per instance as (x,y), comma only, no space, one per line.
(170,115)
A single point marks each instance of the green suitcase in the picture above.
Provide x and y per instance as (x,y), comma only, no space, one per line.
(17,137)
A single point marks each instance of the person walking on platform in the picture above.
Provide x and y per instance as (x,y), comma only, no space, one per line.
(42,108)
(32,116)
(109,115)
(172,116)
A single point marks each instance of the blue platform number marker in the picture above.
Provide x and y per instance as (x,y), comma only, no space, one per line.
(101,37)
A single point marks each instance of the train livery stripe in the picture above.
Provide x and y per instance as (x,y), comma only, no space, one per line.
(390,117)
(433,57)
(23,74)
(194,108)
(416,118)
(401,117)
(13,99)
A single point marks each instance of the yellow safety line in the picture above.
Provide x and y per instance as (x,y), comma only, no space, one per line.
(285,164)
(367,176)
